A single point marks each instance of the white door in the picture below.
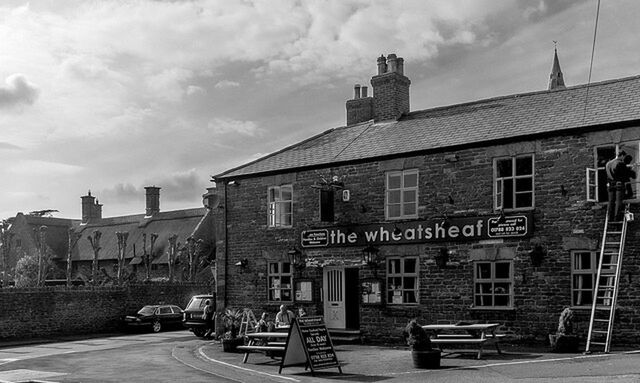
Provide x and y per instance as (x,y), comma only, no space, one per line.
(333,296)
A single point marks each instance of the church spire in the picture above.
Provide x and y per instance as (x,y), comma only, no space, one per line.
(556,80)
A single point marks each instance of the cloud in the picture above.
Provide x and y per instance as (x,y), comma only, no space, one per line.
(193,90)
(221,126)
(122,193)
(8,146)
(18,90)
(226,84)
(178,187)
(43,168)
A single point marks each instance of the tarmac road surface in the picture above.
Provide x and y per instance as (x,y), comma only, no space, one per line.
(181,357)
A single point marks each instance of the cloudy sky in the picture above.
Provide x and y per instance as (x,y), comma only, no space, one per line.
(113,96)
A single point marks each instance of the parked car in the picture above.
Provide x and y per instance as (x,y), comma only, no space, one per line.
(155,317)
(192,318)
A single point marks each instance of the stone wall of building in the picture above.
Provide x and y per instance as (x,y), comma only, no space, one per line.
(48,312)
(454,184)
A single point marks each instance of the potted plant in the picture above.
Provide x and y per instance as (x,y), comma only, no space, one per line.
(420,345)
(564,340)
(231,319)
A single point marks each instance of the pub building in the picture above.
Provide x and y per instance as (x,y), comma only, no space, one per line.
(487,211)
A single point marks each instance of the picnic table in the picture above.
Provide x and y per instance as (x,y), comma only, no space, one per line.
(476,334)
(263,342)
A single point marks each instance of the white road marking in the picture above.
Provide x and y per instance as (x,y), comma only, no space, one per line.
(203,355)
(531,361)
(27,375)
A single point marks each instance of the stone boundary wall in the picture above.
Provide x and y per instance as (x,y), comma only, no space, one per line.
(50,311)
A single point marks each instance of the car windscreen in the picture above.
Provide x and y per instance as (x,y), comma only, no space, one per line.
(197,303)
(147,310)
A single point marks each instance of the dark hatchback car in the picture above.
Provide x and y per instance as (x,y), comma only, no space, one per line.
(155,317)
(193,314)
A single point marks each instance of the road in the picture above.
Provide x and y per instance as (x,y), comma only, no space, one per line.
(181,357)
(127,358)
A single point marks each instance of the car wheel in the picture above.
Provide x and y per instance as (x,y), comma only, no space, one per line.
(157,326)
(199,332)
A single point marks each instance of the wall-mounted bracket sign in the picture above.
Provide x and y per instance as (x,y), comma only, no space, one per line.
(452,229)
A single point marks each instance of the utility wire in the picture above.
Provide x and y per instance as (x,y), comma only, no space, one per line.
(593,49)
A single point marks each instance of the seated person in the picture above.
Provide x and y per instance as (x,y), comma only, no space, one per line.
(284,317)
(263,324)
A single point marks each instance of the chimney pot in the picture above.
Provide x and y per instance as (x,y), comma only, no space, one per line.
(400,62)
(356,91)
(382,65)
(364,92)
(392,63)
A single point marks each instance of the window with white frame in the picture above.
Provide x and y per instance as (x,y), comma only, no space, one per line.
(493,284)
(514,182)
(597,176)
(280,283)
(280,206)
(584,269)
(402,194)
(402,280)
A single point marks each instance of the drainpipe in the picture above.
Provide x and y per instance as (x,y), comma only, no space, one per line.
(226,245)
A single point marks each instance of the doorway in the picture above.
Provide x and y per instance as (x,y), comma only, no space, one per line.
(340,297)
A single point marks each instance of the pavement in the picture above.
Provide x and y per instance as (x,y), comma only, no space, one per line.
(367,363)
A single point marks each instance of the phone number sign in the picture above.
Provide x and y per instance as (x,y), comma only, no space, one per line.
(510,226)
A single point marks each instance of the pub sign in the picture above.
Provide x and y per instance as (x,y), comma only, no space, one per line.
(436,230)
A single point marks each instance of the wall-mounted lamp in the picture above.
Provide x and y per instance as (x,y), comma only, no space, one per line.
(370,257)
(501,217)
(445,224)
(442,257)
(242,263)
(563,191)
(537,255)
(296,258)
(233,183)
(397,231)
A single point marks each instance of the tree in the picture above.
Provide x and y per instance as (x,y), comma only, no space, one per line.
(73,241)
(122,248)
(26,274)
(5,246)
(43,253)
(171,260)
(95,245)
(147,257)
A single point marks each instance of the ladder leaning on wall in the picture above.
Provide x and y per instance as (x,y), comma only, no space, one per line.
(605,292)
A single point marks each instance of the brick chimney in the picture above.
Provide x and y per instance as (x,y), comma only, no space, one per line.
(153,200)
(91,208)
(390,94)
(359,109)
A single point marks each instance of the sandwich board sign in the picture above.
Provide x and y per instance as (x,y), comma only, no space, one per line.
(309,343)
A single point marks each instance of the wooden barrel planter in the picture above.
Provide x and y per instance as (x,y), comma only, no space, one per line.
(426,359)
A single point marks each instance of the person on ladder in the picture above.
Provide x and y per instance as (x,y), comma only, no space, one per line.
(618,176)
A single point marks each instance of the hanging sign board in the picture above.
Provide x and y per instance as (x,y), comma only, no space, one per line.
(309,344)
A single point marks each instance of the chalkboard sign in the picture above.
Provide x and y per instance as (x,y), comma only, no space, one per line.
(309,343)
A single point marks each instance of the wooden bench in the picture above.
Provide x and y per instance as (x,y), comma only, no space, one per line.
(248,349)
(264,342)
(472,334)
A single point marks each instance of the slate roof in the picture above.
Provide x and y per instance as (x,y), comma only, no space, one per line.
(475,123)
(180,222)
